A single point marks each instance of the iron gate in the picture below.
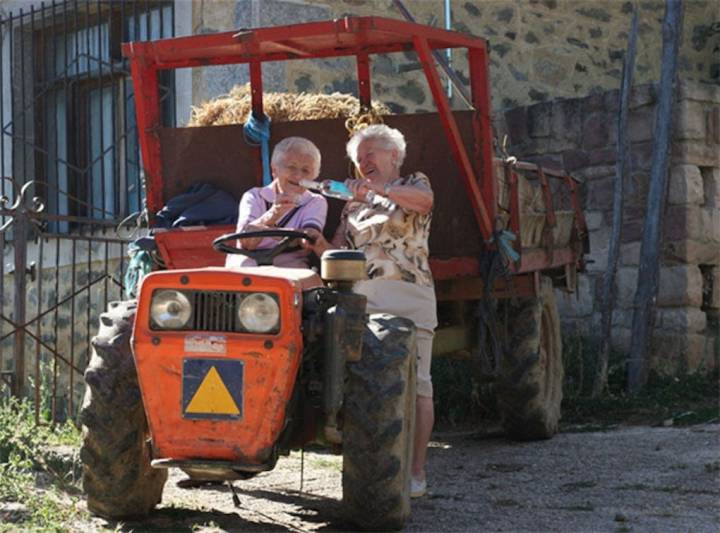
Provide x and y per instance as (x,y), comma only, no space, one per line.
(71,173)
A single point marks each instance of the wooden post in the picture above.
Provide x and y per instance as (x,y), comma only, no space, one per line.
(644,313)
(623,151)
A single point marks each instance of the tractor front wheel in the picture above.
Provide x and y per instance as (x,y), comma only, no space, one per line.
(530,377)
(379,418)
(115,452)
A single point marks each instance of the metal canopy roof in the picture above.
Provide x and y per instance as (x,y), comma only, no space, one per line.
(341,37)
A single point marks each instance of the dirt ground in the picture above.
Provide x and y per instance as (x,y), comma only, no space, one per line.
(627,479)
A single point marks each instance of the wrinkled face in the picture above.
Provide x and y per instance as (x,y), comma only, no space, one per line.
(375,162)
(292,167)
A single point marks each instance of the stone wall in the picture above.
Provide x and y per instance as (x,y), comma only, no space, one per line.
(540,49)
(580,135)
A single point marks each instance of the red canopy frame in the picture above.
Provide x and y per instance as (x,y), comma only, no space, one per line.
(351,36)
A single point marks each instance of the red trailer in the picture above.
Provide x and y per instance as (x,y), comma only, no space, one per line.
(499,198)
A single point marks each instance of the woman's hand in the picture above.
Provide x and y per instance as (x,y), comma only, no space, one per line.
(319,246)
(359,188)
(284,203)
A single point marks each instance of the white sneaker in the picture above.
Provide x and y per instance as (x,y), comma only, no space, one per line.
(418,487)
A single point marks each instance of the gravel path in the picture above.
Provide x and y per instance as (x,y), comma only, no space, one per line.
(628,479)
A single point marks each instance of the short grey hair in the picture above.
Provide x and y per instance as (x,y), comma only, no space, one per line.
(389,138)
(300,145)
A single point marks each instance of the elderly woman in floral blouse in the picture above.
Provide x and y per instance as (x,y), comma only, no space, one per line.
(393,234)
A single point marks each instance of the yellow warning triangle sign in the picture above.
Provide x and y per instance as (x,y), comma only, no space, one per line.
(212,396)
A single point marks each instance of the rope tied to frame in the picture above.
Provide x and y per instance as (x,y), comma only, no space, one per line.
(504,238)
(257,133)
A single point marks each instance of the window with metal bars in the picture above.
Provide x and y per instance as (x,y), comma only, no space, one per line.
(67,112)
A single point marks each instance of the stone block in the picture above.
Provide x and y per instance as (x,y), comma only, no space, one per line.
(641,125)
(642,96)
(686,185)
(690,120)
(711,186)
(594,220)
(621,339)
(714,297)
(693,252)
(672,354)
(517,124)
(602,156)
(581,302)
(685,222)
(690,319)
(641,156)
(695,153)
(591,173)
(625,286)
(566,124)
(539,120)
(630,254)
(680,286)
(622,319)
(710,222)
(600,194)
(596,131)
(575,159)
(700,92)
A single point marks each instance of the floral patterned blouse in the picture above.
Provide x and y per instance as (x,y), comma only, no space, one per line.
(394,240)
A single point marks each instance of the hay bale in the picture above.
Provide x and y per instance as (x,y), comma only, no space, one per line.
(280,107)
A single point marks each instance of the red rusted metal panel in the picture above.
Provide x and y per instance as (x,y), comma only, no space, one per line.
(267,381)
(218,155)
(342,37)
(482,126)
(363,72)
(473,288)
(147,105)
(580,224)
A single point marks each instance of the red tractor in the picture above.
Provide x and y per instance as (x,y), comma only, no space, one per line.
(218,371)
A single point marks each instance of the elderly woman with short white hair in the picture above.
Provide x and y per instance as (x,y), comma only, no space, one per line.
(284,203)
(393,234)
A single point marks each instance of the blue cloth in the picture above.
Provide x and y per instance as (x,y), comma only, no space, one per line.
(201,205)
(505,238)
(139,266)
(257,132)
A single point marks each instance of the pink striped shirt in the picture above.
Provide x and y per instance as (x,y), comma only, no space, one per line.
(256,201)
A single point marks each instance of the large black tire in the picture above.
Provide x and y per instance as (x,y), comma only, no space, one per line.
(530,377)
(378,426)
(115,452)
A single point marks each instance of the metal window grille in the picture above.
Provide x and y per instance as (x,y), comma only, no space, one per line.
(67,135)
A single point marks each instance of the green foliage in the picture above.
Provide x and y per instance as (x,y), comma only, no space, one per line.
(31,475)
(458,398)
(580,361)
(681,400)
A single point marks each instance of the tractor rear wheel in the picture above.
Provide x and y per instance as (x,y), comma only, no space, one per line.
(530,377)
(379,418)
(115,452)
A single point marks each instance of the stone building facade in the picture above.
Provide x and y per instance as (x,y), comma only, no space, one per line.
(540,50)
(580,135)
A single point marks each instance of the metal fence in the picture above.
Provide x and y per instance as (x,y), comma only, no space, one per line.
(71,171)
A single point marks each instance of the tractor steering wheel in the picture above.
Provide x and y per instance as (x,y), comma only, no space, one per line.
(265,256)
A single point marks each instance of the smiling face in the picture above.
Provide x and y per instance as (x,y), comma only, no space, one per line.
(292,167)
(376,162)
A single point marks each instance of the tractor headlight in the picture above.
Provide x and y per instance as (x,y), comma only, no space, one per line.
(259,313)
(170,309)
